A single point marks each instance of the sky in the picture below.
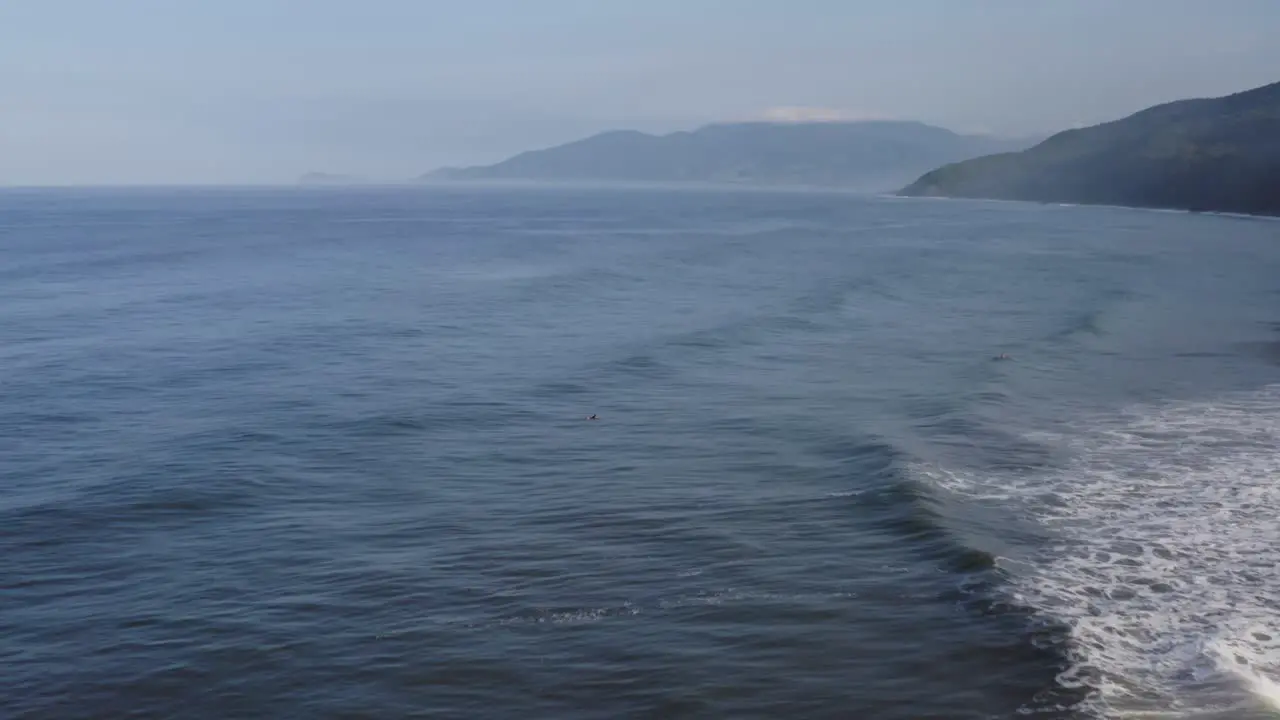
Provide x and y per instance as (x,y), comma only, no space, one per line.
(260,91)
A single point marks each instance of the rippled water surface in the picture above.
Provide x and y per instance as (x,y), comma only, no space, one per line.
(325,454)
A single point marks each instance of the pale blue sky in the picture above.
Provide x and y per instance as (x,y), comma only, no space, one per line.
(142,91)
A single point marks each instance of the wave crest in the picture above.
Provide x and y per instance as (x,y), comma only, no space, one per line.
(1162,553)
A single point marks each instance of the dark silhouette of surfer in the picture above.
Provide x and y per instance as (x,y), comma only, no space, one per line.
(593,417)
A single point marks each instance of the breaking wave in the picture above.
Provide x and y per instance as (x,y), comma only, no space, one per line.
(1161,554)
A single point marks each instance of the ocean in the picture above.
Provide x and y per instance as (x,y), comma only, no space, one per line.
(325,453)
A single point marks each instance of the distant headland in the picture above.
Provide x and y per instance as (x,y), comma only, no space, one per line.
(1212,154)
(865,155)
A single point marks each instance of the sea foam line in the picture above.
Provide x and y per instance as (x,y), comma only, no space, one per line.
(1165,553)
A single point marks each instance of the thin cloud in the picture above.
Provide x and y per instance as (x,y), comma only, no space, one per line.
(807,114)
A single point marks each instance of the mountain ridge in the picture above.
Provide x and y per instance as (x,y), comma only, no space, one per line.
(870,154)
(1205,154)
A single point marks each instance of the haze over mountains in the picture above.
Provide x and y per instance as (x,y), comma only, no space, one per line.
(1211,154)
(864,155)
(324,178)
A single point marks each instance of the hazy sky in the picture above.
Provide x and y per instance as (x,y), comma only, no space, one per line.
(142,91)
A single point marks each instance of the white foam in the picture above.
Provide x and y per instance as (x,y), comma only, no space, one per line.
(1164,557)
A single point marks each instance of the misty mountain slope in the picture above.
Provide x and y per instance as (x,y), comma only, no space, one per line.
(1214,154)
(868,155)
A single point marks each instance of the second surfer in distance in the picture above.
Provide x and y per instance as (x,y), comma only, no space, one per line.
(592,417)
(1002,356)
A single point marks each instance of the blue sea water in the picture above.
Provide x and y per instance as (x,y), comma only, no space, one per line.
(323,453)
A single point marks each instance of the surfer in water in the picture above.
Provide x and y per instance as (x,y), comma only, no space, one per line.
(592,417)
(1002,356)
